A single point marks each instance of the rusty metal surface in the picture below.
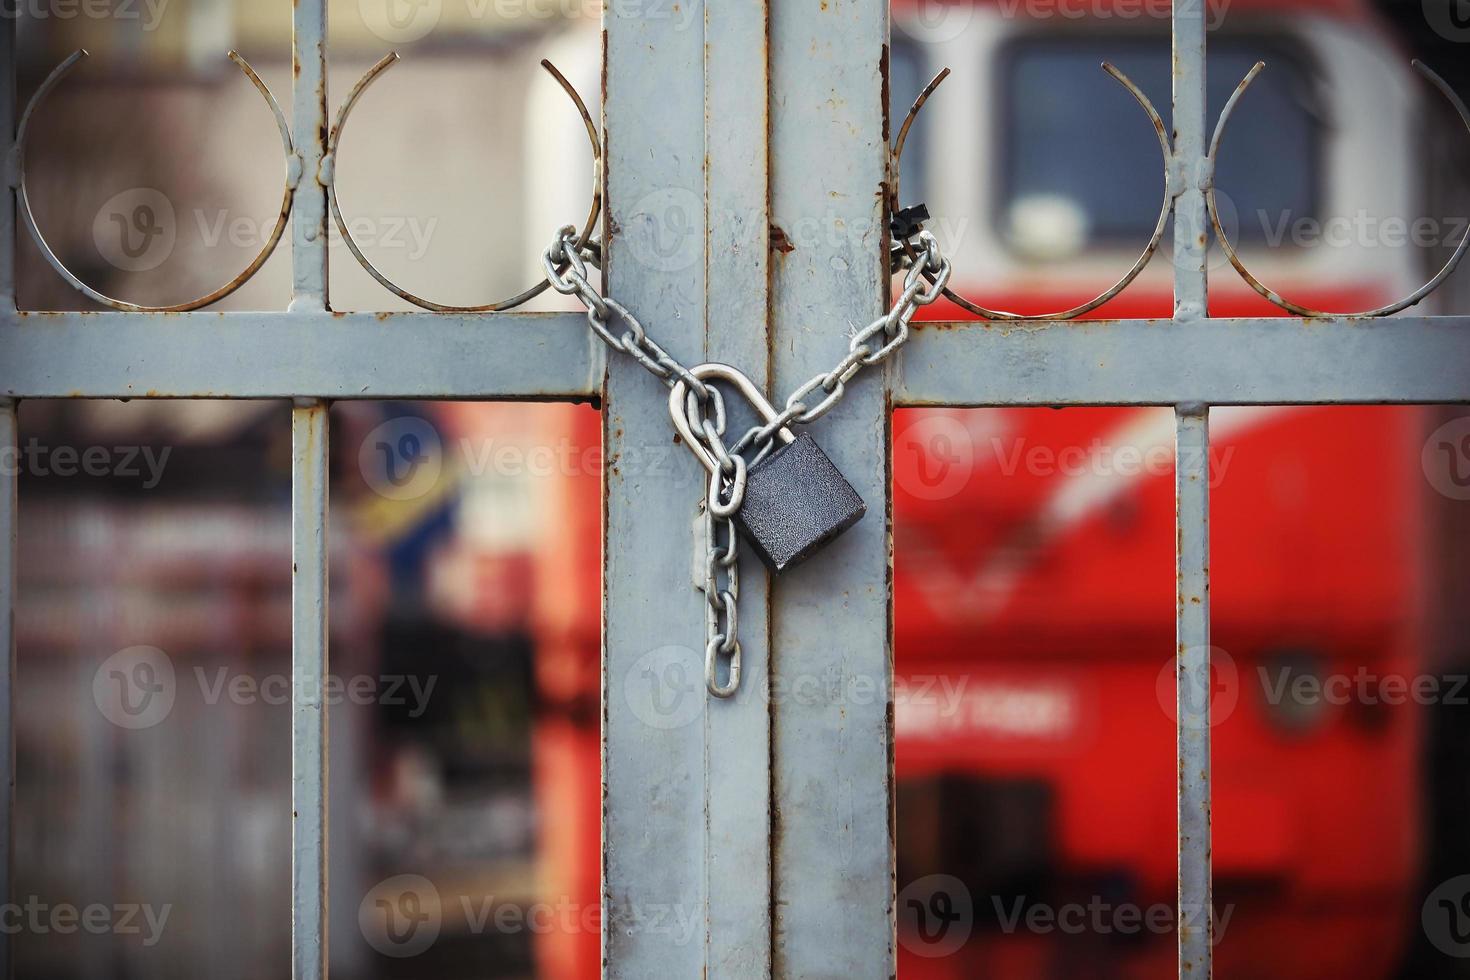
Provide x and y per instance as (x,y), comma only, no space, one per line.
(309,762)
(292,176)
(348,239)
(1270,361)
(1194,690)
(1271,295)
(283,355)
(656,824)
(831,619)
(1192,515)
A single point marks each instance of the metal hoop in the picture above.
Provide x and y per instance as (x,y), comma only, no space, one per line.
(1143,260)
(1270,295)
(23,201)
(330,171)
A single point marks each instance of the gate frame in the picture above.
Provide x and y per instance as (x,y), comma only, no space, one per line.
(771,819)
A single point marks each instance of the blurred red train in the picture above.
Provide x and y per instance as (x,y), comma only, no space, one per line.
(1035,549)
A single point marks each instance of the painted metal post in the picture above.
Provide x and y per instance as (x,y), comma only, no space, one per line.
(737,329)
(832,624)
(1196,932)
(309,496)
(1192,507)
(308,707)
(9,477)
(655,755)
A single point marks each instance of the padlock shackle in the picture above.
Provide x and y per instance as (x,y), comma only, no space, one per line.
(715,371)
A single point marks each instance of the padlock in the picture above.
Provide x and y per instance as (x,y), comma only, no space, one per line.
(795,500)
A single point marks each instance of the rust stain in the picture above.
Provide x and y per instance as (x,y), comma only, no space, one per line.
(780,241)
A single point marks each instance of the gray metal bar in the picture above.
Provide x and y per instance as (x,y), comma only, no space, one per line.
(1196,932)
(309,132)
(833,768)
(1160,362)
(8,96)
(9,511)
(1191,219)
(9,477)
(1413,360)
(737,312)
(284,355)
(309,455)
(655,822)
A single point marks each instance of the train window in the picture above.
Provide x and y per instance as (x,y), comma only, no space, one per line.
(1058,105)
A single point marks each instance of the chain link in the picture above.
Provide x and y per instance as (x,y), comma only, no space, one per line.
(566,270)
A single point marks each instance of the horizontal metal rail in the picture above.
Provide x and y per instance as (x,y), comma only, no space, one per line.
(1271,361)
(532,356)
(306,354)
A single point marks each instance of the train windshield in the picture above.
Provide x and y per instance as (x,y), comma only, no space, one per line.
(1059,107)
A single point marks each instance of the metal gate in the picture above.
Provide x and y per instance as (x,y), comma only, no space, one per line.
(772,818)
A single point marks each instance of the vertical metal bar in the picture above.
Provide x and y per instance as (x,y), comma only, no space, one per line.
(1191,220)
(1196,932)
(9,477)
(737,313)
(1191,303)
(654,701)
(309,130)
(8,95)
(309,445)
(832,622)
(309,470)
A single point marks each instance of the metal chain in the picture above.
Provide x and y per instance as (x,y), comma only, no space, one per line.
(566,270)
